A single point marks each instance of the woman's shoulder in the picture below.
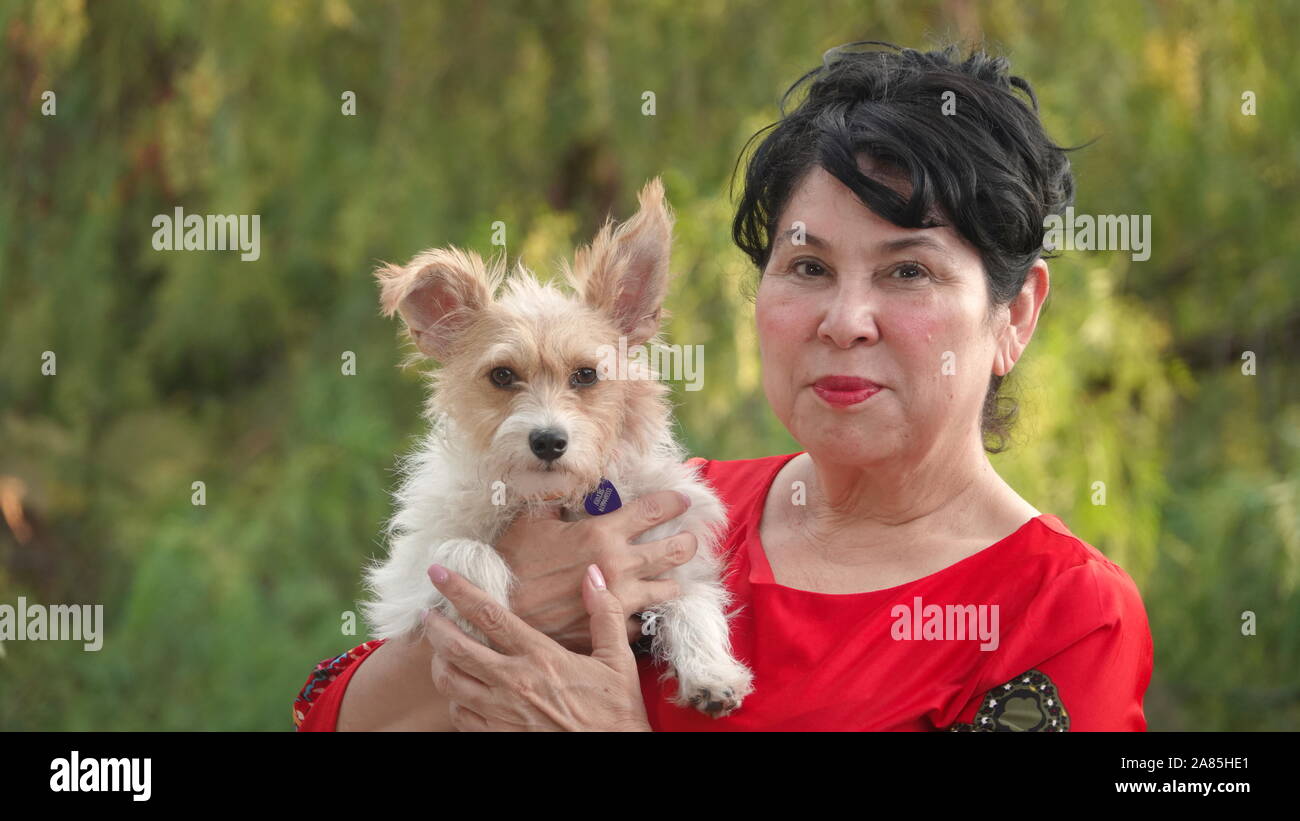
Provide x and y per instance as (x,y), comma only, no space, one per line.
(753,473)
(1075,631)
(1073,559)
(740,484)
(318,702)
(1071,587)
(741,465)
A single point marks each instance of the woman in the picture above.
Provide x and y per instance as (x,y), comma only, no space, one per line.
(889,578)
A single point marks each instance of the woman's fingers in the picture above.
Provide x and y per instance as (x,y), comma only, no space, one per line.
(455,683)
(649,510)
(465,719)
(503,628)
(656,592)
(657,558)
(470,701)
(450,644)
(608,631)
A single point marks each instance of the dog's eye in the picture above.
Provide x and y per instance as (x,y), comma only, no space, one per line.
(502,377)
(584,376)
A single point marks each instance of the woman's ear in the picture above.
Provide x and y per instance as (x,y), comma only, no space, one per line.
(1022,319)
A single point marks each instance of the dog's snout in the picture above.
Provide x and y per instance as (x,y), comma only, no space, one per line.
(548,443)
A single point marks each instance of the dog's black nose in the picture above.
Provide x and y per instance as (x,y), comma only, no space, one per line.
(548,444)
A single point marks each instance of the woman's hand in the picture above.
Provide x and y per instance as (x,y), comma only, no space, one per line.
(533,683)
(549,557)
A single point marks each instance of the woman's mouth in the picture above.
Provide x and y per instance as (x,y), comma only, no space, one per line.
(842,391)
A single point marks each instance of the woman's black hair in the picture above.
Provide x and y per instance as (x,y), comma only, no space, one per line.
(973,149)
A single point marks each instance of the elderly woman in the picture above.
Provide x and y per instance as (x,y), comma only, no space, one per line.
(889,578)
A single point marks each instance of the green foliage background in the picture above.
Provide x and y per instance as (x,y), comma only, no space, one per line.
(177,367)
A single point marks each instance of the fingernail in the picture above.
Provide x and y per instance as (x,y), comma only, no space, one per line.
(596,578)
(438,573)
(685,498)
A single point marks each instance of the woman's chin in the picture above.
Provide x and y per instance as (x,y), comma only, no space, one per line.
(846,443)
(834,453)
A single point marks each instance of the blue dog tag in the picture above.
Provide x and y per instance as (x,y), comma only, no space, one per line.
(604,499)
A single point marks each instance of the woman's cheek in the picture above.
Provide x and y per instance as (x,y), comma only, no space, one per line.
(914,326)
(782,316)
(925,348)
(914,335)
(778,323)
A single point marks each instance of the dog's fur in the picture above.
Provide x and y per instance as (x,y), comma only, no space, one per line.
(475,470)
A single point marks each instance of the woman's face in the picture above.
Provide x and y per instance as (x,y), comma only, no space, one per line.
(906,309)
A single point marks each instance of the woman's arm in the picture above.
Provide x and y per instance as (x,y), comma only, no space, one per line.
(393,690)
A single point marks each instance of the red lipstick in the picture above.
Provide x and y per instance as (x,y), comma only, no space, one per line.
(843,390)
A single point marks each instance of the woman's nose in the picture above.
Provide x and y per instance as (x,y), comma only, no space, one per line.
(849,318)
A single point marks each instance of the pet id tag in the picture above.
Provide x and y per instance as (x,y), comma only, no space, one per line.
(604,499)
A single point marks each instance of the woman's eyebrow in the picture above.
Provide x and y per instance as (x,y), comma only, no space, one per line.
(887,247)
(915,241)
(808,239)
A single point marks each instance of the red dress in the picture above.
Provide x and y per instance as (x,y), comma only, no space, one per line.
(1037,632)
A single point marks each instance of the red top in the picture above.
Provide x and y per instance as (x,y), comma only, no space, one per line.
(1066,638)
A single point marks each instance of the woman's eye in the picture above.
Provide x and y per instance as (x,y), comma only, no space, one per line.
(584,376)
(502,377)
(812,270)
(911,271)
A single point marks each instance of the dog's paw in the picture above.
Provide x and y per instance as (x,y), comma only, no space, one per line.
(715,693)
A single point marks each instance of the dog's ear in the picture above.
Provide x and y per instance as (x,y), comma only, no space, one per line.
(438,295)
(624,272)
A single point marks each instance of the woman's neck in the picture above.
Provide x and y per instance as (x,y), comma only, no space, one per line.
(847,507)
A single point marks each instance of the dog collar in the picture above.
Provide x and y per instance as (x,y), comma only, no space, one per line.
(604,499)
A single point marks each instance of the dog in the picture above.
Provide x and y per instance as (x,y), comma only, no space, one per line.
(526,411)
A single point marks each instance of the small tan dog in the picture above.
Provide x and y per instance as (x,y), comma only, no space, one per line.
(527,411)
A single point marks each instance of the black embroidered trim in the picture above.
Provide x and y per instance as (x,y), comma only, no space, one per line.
(1027,703)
